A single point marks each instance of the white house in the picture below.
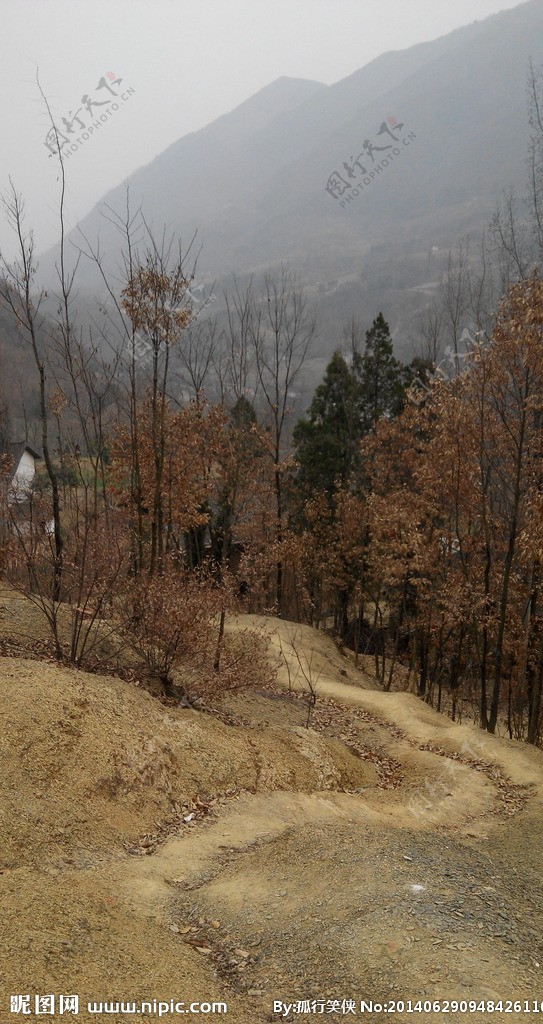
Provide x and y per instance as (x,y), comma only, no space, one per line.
(24,462)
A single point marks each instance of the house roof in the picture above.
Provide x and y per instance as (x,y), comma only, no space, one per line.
(17,449)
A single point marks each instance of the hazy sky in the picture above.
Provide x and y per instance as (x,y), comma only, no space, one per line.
(188,61)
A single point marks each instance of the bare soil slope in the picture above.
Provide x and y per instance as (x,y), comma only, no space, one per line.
(151,852)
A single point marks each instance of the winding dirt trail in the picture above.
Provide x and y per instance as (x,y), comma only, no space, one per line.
(429,889)
(386,854)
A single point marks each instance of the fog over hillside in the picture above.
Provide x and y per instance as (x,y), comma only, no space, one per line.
(361,186)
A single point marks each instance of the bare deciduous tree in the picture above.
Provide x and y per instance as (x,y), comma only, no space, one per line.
(282,331)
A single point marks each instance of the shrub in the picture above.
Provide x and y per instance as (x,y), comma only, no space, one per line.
(175,622)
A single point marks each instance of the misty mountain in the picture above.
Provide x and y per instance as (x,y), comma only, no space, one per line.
(253,184)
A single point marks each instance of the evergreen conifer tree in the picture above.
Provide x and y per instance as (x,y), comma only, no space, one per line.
(380,376)
(327,439)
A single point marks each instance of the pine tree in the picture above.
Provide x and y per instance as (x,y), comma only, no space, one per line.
(327,440)
(380,376)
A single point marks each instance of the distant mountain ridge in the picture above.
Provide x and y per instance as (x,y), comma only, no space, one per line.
(253,182)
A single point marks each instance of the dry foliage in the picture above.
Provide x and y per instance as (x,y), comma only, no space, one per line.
(175,624)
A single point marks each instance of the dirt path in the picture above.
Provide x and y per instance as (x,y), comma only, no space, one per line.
(412,892)
(385,854)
